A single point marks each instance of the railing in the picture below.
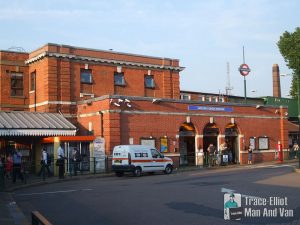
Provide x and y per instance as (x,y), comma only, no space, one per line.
(31,172)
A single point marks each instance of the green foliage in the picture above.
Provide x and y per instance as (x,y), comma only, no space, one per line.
(289,47)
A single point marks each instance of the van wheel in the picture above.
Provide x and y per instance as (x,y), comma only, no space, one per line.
(119,174)
(137,172)
(168,169)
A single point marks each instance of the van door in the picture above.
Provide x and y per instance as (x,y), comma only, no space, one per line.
(158,163)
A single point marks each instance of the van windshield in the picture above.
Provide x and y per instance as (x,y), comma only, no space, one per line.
(155,153)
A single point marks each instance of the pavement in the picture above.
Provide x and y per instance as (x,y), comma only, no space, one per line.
(10,214)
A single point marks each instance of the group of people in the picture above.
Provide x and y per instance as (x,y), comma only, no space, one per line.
(214,155)
(13,166)
(60,162)
(224,150)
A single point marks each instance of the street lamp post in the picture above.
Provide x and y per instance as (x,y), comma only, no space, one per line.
(298,107)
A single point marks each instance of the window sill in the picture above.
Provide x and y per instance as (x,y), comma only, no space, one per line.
(120,85)
(87,94)
(149,87)
(23,97)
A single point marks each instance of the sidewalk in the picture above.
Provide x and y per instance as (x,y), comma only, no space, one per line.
(10,214)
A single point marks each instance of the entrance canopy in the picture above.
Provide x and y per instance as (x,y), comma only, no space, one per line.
(20,123)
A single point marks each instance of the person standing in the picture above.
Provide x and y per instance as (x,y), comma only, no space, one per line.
(61,161)
(76,160)
(8,166)
(296,150)
(17,161)
(250,150)
(211,151)
(44,164)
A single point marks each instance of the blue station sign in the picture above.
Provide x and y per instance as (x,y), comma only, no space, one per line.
(210,108)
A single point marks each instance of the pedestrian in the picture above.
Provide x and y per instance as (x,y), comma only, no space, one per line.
(250,150)
(45,163)
(76,160)
(211,151)
(296,149)
(9,166)
(61,161)
(17,161)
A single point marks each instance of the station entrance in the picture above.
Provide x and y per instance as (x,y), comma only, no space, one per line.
(210,136)
(231,138)
(187,144)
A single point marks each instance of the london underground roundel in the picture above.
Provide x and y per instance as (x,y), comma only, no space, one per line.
(244,69)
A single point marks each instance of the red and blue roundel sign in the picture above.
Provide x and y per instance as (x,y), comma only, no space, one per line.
(244,69)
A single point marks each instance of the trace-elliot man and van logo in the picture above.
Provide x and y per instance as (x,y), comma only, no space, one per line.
(232,206)
(255,207)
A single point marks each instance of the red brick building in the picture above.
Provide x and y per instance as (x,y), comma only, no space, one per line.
(133,99)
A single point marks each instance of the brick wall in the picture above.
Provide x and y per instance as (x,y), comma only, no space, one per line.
(58,79)
(145,119)
(13,62)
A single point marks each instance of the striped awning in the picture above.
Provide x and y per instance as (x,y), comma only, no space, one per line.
(17,123)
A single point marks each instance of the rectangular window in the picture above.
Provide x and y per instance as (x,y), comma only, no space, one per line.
(32,81)
(119,79)
(149,81)
(185,97)
(86,76)
(16,84)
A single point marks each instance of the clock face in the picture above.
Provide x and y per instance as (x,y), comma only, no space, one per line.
(263,143)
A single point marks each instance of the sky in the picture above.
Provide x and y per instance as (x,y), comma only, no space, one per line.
(205,36)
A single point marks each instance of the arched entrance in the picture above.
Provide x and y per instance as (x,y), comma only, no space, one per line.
(187,144)
(210,136)
(231,138)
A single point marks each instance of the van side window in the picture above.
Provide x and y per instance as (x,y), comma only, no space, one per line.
(155,153)
(117,154)
(138,154)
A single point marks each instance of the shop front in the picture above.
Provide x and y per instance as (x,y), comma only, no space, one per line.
(23,132)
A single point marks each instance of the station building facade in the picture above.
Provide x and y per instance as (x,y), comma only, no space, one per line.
(125,98)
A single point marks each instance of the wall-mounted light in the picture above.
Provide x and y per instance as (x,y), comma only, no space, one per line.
(155,100)
(119,69)
(188,119)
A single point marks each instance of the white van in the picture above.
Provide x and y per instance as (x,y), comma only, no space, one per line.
(138,159)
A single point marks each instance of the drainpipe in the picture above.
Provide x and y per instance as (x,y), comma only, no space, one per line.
(35,91)
(101,120)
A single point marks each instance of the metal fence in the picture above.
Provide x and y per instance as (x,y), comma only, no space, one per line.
(31,172)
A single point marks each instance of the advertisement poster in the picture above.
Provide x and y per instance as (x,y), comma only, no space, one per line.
(163,145)
(99,153)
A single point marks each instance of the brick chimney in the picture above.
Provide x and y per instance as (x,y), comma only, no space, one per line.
(276,81)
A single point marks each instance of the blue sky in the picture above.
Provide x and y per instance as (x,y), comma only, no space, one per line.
(203,35)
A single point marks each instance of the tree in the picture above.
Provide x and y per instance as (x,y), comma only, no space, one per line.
(289,47)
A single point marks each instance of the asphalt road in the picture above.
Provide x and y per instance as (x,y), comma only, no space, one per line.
(185,198)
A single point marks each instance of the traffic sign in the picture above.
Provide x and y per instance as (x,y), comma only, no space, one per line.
(244,69)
